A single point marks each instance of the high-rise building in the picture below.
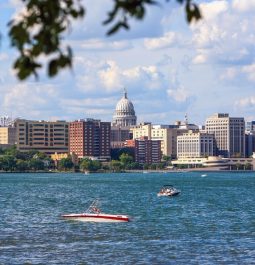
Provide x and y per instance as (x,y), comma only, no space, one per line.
(195,144)
(229,133)
(44,136)
(124,115)
(90,138)
(147,151)
(7,135)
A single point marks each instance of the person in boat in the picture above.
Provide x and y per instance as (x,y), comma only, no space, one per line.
(96,210)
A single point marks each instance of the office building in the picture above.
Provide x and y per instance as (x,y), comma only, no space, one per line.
(147,151)
(195,144)
(90,138)
(44,136)
(229,133)
(167,134)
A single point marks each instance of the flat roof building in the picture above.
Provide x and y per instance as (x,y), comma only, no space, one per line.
(229,133)
(49,137)
(195,145)
(90,138)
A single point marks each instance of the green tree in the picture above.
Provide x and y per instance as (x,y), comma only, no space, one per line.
(90,165)
(36,164)
(1,151)
(160,166)
(116,165)
(126,159)
(153,166)
(39,31)
(8,163)
(248,166)
(22,165)
(66,163)
(12,151)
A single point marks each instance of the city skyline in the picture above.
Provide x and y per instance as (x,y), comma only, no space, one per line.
(168,67)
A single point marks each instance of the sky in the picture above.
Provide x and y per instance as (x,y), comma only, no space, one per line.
(169,68)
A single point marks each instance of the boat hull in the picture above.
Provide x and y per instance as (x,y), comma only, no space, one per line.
(168,195)
(99,218)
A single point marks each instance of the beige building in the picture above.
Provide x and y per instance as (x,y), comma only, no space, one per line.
(7,135)
(229,133)
(167,134)
(49,137)
(195,144)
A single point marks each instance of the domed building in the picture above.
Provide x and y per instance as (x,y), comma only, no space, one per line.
(124,115)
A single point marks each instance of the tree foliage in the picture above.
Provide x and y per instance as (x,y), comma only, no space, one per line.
(39,30)
(90,165)
(66,163)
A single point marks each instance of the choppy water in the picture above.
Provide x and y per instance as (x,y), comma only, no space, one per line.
(211,222)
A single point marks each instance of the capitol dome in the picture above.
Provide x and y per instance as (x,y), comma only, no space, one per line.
(124,112)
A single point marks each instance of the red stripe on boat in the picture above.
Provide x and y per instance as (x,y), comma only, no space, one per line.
(120,218)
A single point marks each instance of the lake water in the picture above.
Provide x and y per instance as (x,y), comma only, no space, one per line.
(211,222)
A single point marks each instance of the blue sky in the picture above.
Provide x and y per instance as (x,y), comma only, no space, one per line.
(168,67)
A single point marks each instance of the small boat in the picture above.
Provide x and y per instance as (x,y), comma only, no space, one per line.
(204,175)
(168,190)
(94,214)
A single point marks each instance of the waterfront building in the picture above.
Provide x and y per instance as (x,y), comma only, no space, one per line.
(48,137)
(229,133)
(124,115)
(216,163)
(195,144)
(167,134)
(7,135)
(147,151)
(90,138)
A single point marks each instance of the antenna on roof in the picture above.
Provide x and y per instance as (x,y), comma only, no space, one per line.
(186,118)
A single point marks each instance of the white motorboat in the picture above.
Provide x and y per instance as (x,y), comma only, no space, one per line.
(168,190)
(94,214)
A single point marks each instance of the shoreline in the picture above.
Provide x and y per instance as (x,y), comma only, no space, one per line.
(134,171)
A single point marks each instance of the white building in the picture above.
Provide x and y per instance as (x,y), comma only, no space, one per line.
(229,133)
(195,144)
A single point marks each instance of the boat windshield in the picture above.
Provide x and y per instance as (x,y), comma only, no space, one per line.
(94,207)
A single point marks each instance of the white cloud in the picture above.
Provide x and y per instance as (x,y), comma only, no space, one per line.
(169,39)
(248,102)
(244,5)
(250,71)
(103,45)
(109,77)
(180,94)
(29,99)
(199,59)
(229,74)
(211,10)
